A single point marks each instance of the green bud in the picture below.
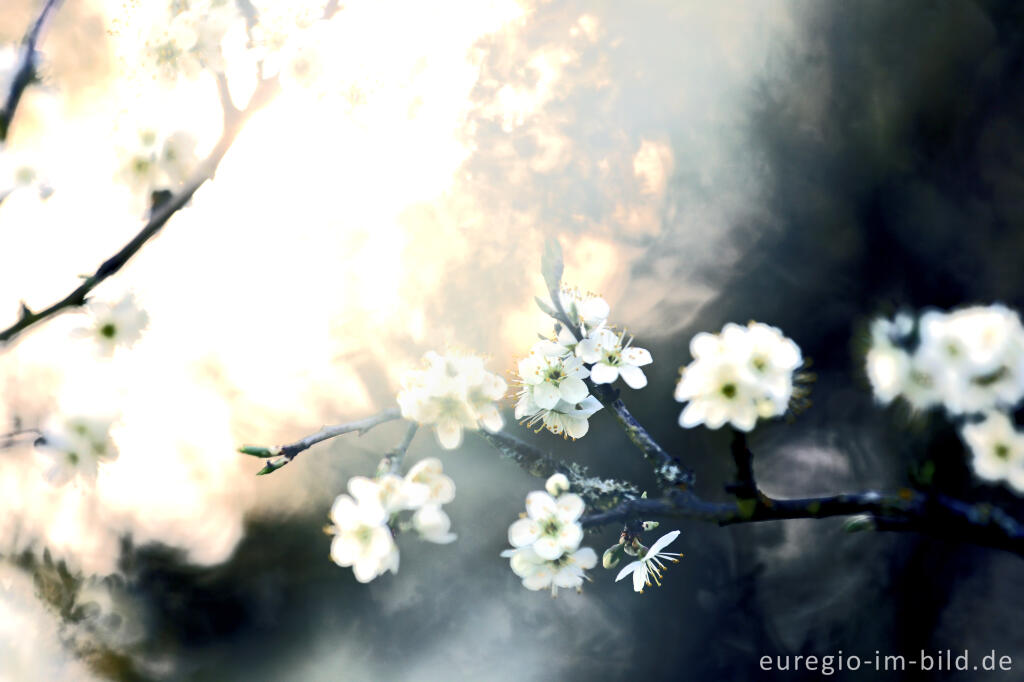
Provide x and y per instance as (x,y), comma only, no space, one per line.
(258,451)
(612,556)
(272,466)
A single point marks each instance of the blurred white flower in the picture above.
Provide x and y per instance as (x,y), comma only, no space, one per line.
(738,376)
(453,393)
(113,325)
(362,538)
(430,473)
(190,40)
(970,360)
(551,525)
(612,359)
(997,448)
(390,492)
(77,446)
(154,163)
(433,524)
(650,564)
(538,573)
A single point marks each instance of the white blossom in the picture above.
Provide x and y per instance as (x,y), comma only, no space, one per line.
(77,447)
(969,361)
(588,310)
(430,473)
(738,376)
(650,565)
(453,393)
(552,391)
(390,492)
(433,524)
(997,448)
(113,325)
(362,538)
(155,162)
(190,40)
(570,420)
(547,379)
(613,359)
(538,573)
(551,525)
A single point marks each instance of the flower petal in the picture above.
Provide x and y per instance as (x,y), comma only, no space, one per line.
(663,542)
(603,374)
(523,532)
(545,395)
(585,557)
(449,434)
(570,507)
(548,548)
(633,376)
(572,390)
(638,357)
(627,569)
(540,505)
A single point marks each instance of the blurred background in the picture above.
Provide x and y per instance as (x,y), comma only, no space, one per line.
(810,165)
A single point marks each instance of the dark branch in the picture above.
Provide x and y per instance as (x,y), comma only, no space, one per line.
(160,215)
(906,510)
(25,71)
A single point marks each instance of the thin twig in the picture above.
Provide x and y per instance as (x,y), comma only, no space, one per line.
(286,453)
(394,458)
(233,120)
(25,71)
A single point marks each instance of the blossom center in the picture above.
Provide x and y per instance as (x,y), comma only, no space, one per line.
(729,390)
(108,330)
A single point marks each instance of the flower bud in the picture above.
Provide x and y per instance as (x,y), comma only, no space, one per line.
(650,525)
(612,556)
(557,484)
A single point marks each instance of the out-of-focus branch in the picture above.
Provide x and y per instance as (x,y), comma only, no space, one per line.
(283,454)
(233,121)
(393,461)
(25,71)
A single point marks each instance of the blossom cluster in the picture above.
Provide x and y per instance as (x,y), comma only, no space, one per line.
(552,387)
(190,40)
(738,376)
(454,392)
(155,162)
(971,363)
(546,541)
(367,518)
